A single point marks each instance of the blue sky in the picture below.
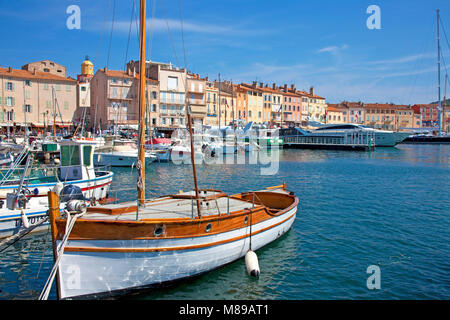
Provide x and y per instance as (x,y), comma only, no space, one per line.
(325,44)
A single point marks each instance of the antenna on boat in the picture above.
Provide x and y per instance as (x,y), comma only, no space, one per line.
(141,156)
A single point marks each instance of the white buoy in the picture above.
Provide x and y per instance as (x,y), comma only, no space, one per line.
(58,188)
(251,262)
(25,222)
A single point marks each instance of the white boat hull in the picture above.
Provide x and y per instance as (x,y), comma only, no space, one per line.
(119,159)
(128,268)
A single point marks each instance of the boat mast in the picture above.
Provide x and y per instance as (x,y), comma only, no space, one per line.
(439,74)
(141,156)
(188,112)
(220,111)
(54,113)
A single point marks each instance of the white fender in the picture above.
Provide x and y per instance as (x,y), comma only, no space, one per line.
(25,222)
(251,262)
(58,188)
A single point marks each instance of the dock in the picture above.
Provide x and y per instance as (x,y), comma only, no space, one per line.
(348,141)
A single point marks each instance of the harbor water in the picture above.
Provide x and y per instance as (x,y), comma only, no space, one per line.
(388,208)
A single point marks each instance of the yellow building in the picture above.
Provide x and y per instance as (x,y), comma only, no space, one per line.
(334,114)
(87,68)
(212,104)
(255,102)
(316,106)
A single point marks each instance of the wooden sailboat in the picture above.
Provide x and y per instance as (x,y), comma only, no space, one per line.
(116,248)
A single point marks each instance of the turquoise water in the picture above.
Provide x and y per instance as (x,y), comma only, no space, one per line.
(388,208)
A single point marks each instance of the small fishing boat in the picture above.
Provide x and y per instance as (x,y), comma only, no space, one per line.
(23,191)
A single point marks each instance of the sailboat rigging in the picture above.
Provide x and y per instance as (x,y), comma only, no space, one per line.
(112,249)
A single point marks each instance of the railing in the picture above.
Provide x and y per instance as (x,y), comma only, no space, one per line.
(348,139)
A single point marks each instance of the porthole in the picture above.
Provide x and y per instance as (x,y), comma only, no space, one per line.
(208,227)
(246,219)
(158,231)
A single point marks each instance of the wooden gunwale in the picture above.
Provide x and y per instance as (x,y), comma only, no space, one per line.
(177,248)
(174,228)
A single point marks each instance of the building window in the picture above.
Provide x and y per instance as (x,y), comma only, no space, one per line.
(172,83)
(10,101)
(28,83)
(28,108)
(10,86)
(58,87)
(10,115)
(67,88)
(66,105)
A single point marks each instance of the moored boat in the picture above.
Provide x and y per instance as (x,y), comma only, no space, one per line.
(27,193)
(113,250)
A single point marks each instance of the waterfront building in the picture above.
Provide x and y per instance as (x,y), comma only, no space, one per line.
(292,106)
(388,116)
(46,66)
(196,97)
(28,96)
(254,102)
(356,112)
(173,87)
(429,114)
(335,115)
(404,118)
(83,111)
(241,96)
(114,95)
(316,106)
(272,105)
(227,103)
(212,103)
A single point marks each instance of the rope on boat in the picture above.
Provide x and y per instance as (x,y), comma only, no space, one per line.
(14,238)
(69,225)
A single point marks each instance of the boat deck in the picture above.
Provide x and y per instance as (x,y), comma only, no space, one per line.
(172,207)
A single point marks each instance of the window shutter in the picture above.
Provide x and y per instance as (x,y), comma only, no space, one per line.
(31,108)
(13,101)
(13,85)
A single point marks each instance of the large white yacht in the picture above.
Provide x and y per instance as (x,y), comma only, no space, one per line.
(383,138)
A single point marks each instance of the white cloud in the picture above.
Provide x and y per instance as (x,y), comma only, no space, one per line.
(333,49)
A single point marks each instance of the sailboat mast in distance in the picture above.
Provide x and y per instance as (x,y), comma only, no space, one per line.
(439,74)
(141,156)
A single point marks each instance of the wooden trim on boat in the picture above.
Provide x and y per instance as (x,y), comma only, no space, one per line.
(198,246)
(173,228)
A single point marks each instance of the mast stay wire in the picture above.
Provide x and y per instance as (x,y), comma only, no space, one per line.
(416,66)
(111,33)
(170,34)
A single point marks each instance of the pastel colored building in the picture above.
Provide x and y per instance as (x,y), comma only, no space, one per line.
(36,98)
(196,88)
(114,99)
(292,106)
(335,115)
(212,103)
